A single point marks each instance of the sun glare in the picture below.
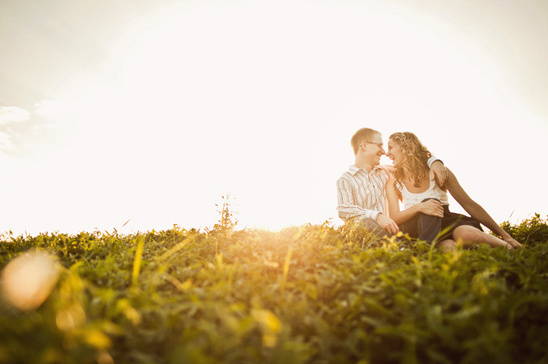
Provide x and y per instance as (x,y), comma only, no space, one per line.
(231,94)
(258,100)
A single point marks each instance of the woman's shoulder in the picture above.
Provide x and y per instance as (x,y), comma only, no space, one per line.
(394,183)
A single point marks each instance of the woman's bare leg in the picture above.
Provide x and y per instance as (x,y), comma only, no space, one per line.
(447,245)
(470,236)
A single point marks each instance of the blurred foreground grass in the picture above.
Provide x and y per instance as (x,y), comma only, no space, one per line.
(309,294)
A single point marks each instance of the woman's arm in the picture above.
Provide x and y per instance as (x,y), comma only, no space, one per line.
(475,210)
(430,207)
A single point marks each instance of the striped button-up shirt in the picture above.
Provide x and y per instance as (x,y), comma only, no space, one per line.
(360,194)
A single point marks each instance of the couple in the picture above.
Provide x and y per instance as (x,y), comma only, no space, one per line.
(422,182)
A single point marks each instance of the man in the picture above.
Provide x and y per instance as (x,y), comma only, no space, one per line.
(360,190)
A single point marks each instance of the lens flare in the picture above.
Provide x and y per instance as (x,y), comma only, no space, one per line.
(28,279)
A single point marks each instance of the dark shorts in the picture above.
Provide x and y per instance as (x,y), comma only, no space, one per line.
(452,220)
(432,228)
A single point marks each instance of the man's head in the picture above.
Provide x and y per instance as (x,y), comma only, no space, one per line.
(368,143)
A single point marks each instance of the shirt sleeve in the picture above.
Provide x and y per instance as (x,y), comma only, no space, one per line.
(431,160)
(347,207)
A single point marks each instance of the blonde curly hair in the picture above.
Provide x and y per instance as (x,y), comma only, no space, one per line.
(415,157)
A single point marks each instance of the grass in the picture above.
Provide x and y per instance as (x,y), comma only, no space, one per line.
(308,294)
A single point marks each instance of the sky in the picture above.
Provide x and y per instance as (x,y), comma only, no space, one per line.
(133,116)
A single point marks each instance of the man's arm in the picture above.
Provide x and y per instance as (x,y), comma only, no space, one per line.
(347,208)
(439,169)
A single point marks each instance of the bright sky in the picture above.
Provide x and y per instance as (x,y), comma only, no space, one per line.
(151,111)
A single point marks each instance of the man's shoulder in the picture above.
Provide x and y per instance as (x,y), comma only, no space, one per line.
(346,176)
(349,173)
(386,169)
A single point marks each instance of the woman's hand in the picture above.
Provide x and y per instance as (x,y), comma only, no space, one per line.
(513,242)
(432,207)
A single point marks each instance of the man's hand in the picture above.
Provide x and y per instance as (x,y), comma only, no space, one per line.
(432,208)
(387,224)
(440,172)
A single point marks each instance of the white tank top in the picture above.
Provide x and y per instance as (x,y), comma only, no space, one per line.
(433,191)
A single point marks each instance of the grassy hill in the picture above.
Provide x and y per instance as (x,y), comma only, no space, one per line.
(308,294)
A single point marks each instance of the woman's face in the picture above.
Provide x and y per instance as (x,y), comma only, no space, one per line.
(395,153)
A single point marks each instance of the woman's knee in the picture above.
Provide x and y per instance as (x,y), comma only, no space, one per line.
(467,234)
(447,245)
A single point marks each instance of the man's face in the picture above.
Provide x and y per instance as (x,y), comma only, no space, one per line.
(374,148)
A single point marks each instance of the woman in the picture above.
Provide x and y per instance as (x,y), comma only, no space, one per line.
(422,197)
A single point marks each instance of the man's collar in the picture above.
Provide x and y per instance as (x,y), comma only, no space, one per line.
(353,169)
